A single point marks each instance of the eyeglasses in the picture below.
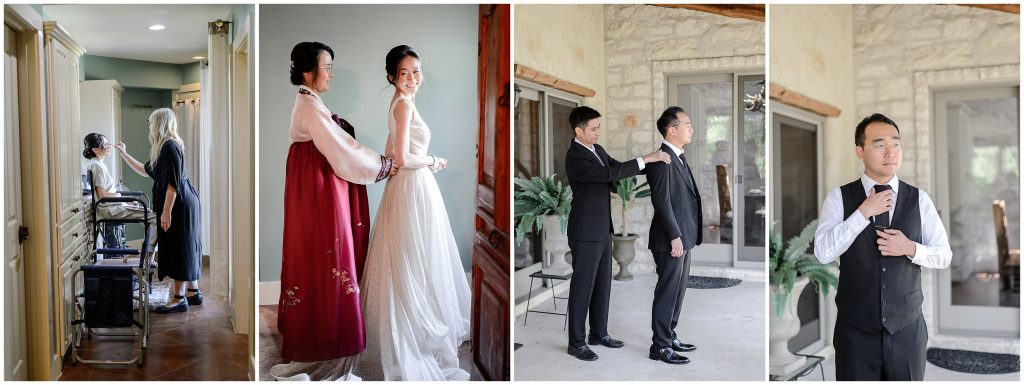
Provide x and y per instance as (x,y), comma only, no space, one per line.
(328,67)
(880,147)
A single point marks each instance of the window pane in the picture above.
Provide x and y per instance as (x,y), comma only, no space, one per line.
(528,164)
(753,163)
(561,135)
(798,176)
(983,167)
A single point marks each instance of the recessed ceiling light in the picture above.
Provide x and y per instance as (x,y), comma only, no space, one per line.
(198,57)
(156,27)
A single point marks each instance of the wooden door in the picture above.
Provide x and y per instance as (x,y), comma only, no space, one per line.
(15,347)
(490,320)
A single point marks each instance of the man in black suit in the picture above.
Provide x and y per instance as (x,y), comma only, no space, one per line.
(591,172)
(675,230)
(883,231)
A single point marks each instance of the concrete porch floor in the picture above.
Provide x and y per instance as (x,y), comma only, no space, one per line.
(931,373)
(727,325)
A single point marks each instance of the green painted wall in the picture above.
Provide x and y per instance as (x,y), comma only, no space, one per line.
(133,73)
(136,105)
(190,73)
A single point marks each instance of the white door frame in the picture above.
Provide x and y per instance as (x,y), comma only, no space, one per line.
(242,188)
(43,358)
(826,317)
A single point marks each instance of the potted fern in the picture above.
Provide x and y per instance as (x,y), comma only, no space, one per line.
(791,268)
(543,204)
(624,243)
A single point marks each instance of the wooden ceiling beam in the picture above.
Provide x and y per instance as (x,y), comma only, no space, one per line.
(741,11)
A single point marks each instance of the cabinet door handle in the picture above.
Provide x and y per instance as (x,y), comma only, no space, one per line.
(74,235)
(76,210)
(76,258)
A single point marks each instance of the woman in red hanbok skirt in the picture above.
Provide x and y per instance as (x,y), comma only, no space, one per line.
(326,228)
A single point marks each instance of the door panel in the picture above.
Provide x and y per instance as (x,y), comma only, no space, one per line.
(490,319)
(15,350)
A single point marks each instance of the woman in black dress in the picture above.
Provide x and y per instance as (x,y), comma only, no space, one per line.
(176,203)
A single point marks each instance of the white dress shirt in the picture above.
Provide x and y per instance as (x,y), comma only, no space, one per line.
(639,160)
(835,234)
(678,151)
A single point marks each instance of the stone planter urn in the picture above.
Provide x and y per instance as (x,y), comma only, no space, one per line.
(624,251)
(784,325)
(556,245)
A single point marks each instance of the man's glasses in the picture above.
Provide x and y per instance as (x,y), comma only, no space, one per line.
(880,147)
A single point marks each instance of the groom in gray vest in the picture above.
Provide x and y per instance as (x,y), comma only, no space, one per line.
(883,231)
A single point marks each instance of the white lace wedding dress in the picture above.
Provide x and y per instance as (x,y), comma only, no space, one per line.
(414,292)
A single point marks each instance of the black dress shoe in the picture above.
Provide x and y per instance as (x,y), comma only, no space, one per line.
(667,355)
(582,352)
(180,307)
(606,341)
(195,299)
(679,346)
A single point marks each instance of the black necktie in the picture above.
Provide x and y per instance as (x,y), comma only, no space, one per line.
(686,167)
(882,220)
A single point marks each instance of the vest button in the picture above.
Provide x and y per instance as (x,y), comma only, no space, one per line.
(883,319)
(883,286)
(883,269)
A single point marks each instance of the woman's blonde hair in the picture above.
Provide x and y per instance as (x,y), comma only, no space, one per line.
(162,127)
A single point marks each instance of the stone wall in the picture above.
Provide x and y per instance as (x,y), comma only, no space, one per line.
(643,44)
(893,44)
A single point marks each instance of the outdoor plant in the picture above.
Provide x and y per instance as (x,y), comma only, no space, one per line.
(627,190)
(791,260)
(537,197)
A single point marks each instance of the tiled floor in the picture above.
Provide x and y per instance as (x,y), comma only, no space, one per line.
(270,345)
(727,325)
(195,345)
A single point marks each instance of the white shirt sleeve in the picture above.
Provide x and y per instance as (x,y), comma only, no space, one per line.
(350,160)
(835,234)
(640,160)
(934,251)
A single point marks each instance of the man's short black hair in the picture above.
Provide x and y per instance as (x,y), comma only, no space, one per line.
(668,118)
(858,135)
(579,116)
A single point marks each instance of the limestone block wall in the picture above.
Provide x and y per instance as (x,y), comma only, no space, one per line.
(897,47)
(644,44)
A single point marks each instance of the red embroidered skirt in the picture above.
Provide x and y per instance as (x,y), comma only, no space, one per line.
(326,232)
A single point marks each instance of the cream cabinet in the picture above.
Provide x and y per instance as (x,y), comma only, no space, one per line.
(68,209)
(101,113)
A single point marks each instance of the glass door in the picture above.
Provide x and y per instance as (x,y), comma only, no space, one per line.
(727,156)
(977,164)
(751,175)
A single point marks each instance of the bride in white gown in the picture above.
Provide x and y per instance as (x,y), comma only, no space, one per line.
(414,292)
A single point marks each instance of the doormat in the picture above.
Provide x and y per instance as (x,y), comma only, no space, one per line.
(702,282)
(974,362)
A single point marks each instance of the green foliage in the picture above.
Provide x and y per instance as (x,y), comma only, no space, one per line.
(536,197)
(791,260)
(627,190)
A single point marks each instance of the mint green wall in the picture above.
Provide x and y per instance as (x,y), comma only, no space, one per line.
(135,135)
(132,73)
(190,73)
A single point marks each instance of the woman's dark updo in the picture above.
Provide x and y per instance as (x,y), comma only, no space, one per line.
(306,58)
(91,141)
(395,57)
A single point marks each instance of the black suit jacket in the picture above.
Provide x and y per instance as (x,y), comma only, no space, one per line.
(677,206)
(590,215)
